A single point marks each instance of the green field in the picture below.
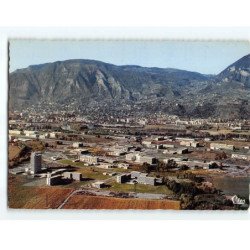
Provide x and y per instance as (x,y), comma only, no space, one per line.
(140,188)
(92,172)
(72,163)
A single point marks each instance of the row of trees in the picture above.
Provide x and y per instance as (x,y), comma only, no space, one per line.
(160,166)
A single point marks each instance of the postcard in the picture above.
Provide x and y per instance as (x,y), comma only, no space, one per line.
(128,124)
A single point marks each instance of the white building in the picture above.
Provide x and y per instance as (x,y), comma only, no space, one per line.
(89,159)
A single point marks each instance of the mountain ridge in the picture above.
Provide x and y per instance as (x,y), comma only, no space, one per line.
(87,81)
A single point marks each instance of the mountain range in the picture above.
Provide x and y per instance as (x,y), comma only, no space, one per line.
(83,83)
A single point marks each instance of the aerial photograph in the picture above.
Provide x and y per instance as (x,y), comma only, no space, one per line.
(128,124)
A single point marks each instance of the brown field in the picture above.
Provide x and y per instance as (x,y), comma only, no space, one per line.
(206,155)
(35,145)
(235,143)
(20,196)
(14,152)
(100,202)
(48,197)
(225,131)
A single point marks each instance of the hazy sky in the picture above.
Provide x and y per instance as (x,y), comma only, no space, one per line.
(204,57)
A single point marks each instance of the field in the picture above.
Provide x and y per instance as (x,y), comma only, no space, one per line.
(91,172)
(98,202)
(20,196)
(140,188)
(72,163)
(35,145)
(226,131)
(14,151)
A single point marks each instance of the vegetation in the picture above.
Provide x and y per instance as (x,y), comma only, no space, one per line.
(140,188)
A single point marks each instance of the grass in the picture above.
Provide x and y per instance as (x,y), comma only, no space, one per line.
(72,163)
(92,172)
(140,188)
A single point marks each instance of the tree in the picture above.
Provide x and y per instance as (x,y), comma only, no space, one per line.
(146,167)
(171,164)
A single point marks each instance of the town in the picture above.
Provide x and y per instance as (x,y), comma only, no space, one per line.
(61,159)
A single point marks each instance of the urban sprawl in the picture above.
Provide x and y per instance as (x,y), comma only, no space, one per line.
(62,159)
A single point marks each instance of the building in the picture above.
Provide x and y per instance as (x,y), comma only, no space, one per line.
(72,176)
(164,146)
(15,132)
(123,165)
(173,151)
(141,178)
(54,134)
(76,176)
(147,144)
(53,180)
(144,179)
(105,165)
(185,139)
(77,145)
(189,144)
(218,146)
(241,156)
(67,175)
(148,159)
(35,162)
(117,152)
(135,174)
(131,157)
(31,133)
(99,184)
(89,159)
(123,178)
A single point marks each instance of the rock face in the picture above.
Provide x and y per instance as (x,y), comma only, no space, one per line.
(179,92)
(238,72)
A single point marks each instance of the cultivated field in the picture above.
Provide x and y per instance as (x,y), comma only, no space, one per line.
(20,196)
(98,202)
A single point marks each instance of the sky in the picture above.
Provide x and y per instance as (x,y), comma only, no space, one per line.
(207,57)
